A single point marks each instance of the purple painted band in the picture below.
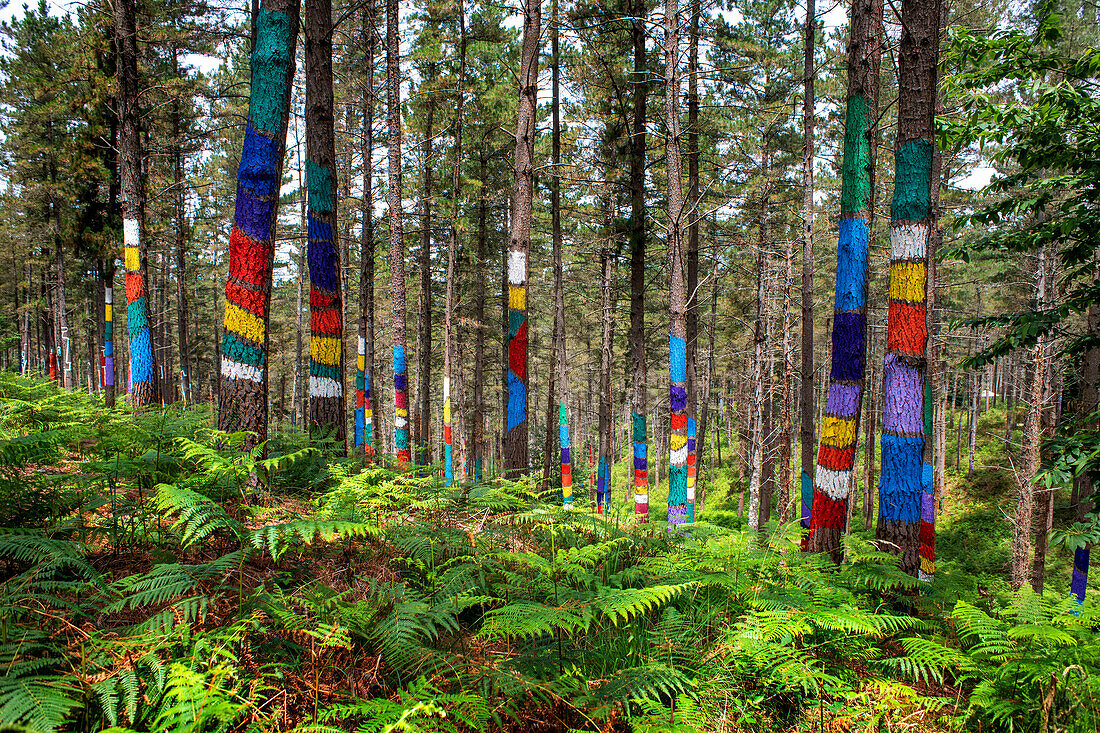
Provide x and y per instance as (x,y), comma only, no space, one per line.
(843,400)
(904,398)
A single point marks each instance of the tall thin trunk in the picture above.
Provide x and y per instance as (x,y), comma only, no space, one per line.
(397,234)
(452,253)
(519,245)
(1029,463)
(477,422)
(840,426)
(607,278)
(108,329)
(692,315)
(785,426)
(677,301)
(559,278)
(1090,402)
(760,338)
(424,342)
(142,363)
(364,417)
(180,233)
(326,325)
(806,431)
(639,398)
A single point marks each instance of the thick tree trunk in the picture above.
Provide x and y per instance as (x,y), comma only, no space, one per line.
(519,245)
(397,234)
(638,396)
(326,325)
(840,426)
(677,305)
(1090,402)
(806,431)
(142,363)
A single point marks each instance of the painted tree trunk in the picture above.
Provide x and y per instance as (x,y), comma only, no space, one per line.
(806,431)
(677,338)
(903,470)
(639,386)
(519,246)
(839,426)
(326,326)
(559,275)
(397,236)
(108,376)
(364,417)
(243,400)
(142,366)
(607,316)
(424,318)
(1090,401)
(452,255)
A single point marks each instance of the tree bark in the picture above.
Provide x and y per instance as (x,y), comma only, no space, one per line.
(840,425)
(638,397)
(424,342)
(692,315)
(397,234)
(519,246)
(559,276)
(477,422)
(452,254)
(180,235)
(364,415)
(326,324)
(142,362)
(806,431)
(678,384)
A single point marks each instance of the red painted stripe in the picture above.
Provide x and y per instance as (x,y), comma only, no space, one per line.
(317,299)
(325,322)
(838,459)
(905,328)
(828,512)
(679,421)
(252,301)
(135,286)
(249,261)
(517,353)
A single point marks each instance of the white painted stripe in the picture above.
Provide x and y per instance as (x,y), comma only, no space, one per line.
(679,456)
(401,422)
(908,241)
(641,498)
(232,369)
(109,295)
(131,233)
(362,346)
(925,577)
(324,387)
(691,494)
(517,267)
(446,387)
(832,483)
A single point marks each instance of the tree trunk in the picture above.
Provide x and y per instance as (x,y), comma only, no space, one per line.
(1029,463)
(869,454)
(760,337)
(326,325)
(424,342)
(806,396)
(397,234)
(108,329)
(452,254)
(519,246)
(559,278)
(677,302)
(900,486)
(180,234)
(364,416)
(142,364)
(1090,402)
(477,423)
(840,426)
(607,279)
(692,215)
(638,397)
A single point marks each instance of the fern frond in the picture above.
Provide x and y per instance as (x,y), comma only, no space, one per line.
(275,539)
(626,603)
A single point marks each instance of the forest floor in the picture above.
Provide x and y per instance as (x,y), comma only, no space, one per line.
(151,582)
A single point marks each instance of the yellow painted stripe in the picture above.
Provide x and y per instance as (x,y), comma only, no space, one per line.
(928,566)
(838,432)
(108,314)
(401,412)
(907,281)
(677,441)
(361,362)
(244,323)
(324,350)
(446,411)
(567,491)
(517,297)
(133,260)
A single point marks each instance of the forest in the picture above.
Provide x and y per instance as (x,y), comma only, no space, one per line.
(451,365)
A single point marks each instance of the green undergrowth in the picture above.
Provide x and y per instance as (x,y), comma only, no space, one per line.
(157,579)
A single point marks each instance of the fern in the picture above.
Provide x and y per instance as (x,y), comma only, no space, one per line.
(275,539)
(529,620)
(198,516)
(625,604)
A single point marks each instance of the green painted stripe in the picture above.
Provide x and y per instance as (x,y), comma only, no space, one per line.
(271,61)
(639,427)
(237,350)
(855,193)
(323,370)
(319,187)
(137,316)
(912,181)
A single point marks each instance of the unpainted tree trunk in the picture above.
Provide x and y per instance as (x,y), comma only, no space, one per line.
(806,433)
(397,234)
